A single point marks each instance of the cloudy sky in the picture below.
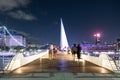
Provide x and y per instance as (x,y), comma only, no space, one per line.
(40,19)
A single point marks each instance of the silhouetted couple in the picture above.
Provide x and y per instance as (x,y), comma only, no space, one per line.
(76,50)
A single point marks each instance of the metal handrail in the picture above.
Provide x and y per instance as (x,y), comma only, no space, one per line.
(114,63)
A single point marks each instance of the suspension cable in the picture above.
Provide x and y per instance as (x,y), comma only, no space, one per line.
(13,37)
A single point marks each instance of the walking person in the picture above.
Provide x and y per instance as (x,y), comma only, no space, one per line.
(68,50)
(74,50)
(50,51)
(79,52)
(54,51)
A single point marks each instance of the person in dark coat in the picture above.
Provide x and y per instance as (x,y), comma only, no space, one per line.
(79,51)
(74,50)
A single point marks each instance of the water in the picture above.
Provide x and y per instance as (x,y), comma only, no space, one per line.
(4,60)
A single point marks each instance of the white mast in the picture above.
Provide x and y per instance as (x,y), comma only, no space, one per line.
(63,38)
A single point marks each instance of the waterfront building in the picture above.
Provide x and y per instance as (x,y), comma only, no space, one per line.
(15,39)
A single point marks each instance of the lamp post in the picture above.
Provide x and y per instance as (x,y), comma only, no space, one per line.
(97,38)
(4,38)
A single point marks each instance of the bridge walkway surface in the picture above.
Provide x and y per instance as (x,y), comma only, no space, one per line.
(60,67)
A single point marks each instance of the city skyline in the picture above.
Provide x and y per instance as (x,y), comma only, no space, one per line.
(40,19)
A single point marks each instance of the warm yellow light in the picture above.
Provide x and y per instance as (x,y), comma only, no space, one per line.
(19,71)
(103,70)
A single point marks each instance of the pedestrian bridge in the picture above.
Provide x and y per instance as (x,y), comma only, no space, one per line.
(62,62)
(61,66)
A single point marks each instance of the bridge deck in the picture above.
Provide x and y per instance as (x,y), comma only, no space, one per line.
(61,63)
(60,67)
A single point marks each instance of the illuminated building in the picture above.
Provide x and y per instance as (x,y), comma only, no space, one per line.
(15,39)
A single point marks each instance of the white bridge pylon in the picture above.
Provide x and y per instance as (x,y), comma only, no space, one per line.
(63,38)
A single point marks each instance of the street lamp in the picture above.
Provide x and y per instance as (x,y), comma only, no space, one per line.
(97,38)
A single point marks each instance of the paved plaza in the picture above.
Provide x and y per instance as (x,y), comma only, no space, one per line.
(60,67)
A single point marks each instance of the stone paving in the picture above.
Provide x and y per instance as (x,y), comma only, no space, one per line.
(62,76)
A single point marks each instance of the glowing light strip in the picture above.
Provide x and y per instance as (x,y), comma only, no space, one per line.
(13,37)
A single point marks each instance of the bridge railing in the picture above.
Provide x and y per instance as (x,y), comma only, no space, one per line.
(109,60)
(5,58)
(21,59)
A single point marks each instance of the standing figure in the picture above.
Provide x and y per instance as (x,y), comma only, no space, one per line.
(74,50)
(79,51)
(50,51)
(54,50)
(68,50)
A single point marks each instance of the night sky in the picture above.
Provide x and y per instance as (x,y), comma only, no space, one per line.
(39,20)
